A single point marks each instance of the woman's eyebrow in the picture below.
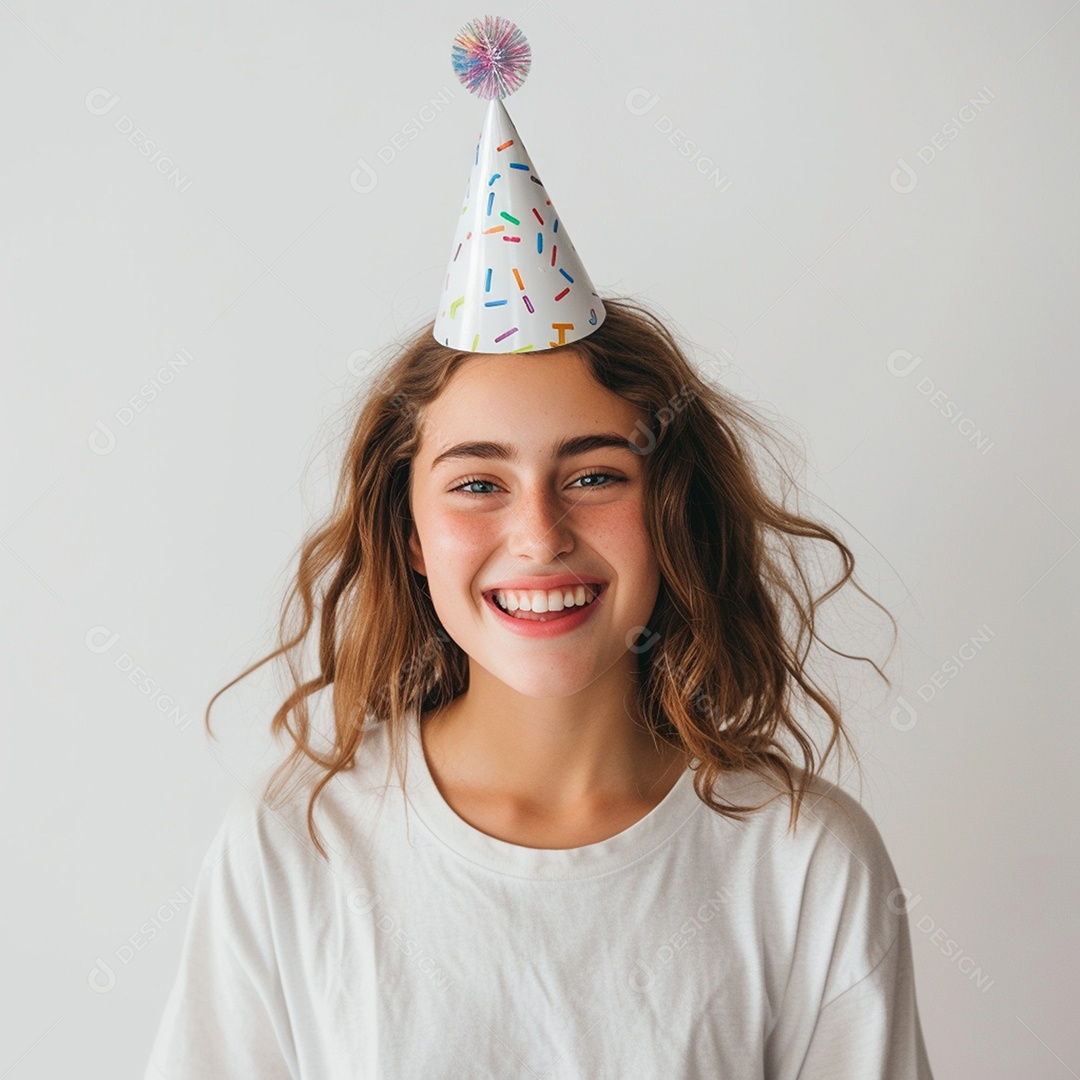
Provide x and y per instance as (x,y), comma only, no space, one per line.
(578,444)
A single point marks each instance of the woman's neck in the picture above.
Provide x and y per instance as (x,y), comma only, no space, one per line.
(558,756)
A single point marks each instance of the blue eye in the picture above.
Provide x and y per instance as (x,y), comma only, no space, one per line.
(588,476)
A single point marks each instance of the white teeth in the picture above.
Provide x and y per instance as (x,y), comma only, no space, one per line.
(541,601)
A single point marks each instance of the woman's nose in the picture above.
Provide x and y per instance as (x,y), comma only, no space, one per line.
(539,523)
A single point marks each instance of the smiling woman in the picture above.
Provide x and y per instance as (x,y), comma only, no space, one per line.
(545,727)
(556,582)
(581,616)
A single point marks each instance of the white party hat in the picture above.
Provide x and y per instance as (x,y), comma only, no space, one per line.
(514,282)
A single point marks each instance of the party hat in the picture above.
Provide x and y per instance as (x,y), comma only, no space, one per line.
(514,282)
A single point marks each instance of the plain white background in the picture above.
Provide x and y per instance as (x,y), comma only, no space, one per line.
(866,218)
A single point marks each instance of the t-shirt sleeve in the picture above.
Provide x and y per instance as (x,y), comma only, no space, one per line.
(225,1017)
(853,956)
(871,1031)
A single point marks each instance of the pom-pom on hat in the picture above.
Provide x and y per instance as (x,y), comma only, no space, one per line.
(514,282)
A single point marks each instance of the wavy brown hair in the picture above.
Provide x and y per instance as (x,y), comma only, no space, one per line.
(725,660)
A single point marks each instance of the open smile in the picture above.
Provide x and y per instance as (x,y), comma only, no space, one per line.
(548,623)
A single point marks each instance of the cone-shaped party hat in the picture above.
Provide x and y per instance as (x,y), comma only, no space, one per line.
(514,282)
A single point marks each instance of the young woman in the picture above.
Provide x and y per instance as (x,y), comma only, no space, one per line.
(555,594)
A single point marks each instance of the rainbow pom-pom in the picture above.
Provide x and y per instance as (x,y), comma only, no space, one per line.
(491,57)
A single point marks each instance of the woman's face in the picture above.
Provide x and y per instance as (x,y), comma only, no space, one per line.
(485,517)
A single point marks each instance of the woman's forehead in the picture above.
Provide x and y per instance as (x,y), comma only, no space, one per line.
(537,411)
(490,385)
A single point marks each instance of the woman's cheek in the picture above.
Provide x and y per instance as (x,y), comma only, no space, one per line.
(462,528)
(455,535)
(621,527)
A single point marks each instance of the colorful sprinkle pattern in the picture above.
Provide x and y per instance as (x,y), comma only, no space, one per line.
(499,291)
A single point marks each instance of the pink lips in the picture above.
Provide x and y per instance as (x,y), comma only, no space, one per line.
(551,627)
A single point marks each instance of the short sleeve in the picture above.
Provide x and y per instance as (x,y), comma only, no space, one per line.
(872,1030)
(854,956)
(225,1017)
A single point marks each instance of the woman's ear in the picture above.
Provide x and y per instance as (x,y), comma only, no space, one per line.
(416,554)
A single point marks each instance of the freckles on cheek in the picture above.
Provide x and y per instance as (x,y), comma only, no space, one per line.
(623,529)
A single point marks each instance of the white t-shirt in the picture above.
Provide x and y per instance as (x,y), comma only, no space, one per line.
(688,946)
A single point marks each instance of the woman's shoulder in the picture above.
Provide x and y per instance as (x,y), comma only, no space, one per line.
(828,887)
(266,819)
(835,839)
